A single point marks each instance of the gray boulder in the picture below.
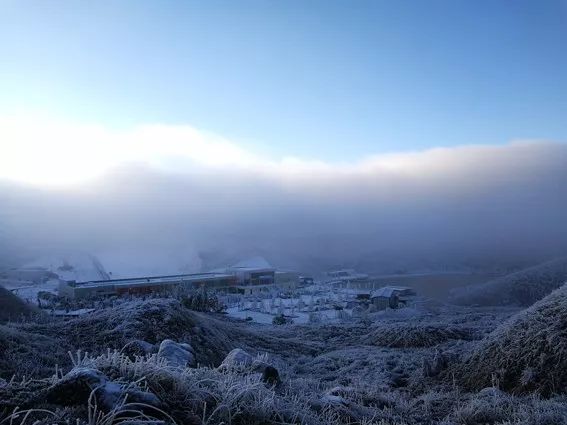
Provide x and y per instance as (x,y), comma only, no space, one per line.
(77,386)
(138,347)
(237,358)
(177,354)
(240,360)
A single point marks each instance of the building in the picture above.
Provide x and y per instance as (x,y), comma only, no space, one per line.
(348,278)
(286,280)
(391,296)
(257,275)
(246,277)
(145,285)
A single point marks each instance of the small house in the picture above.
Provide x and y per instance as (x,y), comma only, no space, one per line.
(391,297)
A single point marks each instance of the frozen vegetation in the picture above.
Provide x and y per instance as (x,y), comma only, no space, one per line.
(522,288)
(178,358)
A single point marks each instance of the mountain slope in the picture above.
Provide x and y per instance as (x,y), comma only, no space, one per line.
(521,288)
(526,353)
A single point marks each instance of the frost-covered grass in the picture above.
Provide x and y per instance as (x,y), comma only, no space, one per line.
(528,353)
(407,335)
(228,396)
(367,371)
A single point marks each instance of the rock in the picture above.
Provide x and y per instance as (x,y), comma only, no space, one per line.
(138,347)
(333,400)
(341,391)
(176,354)
(77,386)
(241,360)
(237,358)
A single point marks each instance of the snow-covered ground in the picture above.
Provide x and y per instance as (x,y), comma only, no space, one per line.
(299,317)
(314,305)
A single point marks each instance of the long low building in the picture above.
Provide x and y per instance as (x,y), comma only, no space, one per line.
(144,285)
(246,277)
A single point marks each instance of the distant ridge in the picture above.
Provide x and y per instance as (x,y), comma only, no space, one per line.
(522,288)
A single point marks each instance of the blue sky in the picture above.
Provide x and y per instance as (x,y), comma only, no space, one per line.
(331,80)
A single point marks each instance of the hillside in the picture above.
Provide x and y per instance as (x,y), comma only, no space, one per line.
(155,362)
(12,307)
(521,288)
(526,353)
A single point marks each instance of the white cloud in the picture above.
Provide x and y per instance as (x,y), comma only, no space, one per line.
(53,152)
(47,151)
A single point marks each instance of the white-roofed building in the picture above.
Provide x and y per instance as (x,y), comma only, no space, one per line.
(391,296)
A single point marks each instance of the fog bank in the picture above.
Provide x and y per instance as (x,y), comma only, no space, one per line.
(441,208)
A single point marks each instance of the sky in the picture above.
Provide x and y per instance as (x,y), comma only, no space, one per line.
(385,135)
(320,80)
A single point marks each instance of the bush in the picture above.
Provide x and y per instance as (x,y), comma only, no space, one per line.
(280,319)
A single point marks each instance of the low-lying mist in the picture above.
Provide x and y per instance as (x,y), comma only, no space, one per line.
(443,208)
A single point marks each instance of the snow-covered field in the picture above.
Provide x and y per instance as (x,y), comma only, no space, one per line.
(314,304)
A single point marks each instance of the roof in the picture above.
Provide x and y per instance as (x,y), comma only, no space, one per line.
(388,291)
(152,279)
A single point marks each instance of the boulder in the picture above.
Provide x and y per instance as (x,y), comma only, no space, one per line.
(334,400)
(177,354)
(138,347)
(77,386)
(237,358)
(339,390)
(242,361)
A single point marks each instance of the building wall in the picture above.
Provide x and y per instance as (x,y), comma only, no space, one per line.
(381,303)
(79,291)
(287,280)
